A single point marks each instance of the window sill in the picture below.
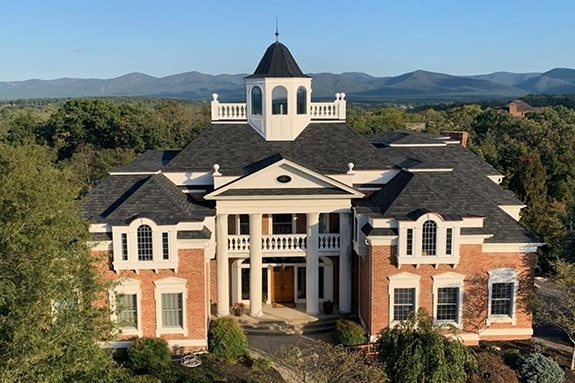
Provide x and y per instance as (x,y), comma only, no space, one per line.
(171,330)
(130,331)
(500,319)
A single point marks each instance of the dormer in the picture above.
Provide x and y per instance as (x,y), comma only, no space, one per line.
(278,96)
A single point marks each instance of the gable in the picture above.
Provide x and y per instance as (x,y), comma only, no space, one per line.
(284,178)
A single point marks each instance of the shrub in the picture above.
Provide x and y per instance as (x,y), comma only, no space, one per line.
(149,356)
(511,357)
(262,364)
(226,340)
(538,368)
(491,369)
(349,333)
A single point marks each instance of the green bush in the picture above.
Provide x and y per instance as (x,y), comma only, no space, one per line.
(538,368)
(262,364)
(226,340)
(491,369)
(149,356)
(349,333)
(511,357)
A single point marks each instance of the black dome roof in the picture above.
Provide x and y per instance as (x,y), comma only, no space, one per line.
(277,62)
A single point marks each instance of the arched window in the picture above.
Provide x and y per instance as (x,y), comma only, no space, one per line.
(429,238)
(257,101)
(301,100)
(279,100)
(144,236)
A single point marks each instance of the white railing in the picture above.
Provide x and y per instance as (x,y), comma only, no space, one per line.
(283,243)
(335,110)
(328,242)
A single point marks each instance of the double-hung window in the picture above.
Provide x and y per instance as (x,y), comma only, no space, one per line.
(171,297)
(502,285)
(403,303)
(403,295)
(127,310)
(172,310)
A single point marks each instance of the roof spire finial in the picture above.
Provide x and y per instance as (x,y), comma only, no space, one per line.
(277,31)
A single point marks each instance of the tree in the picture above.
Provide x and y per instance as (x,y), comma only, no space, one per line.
(49,325)
(320,362)
(418,350)
(555,302)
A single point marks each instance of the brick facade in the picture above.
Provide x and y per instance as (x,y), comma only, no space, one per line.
(379,264)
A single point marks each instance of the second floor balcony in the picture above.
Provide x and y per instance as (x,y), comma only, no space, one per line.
(284,243)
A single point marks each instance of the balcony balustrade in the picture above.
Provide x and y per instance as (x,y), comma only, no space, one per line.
(283,243)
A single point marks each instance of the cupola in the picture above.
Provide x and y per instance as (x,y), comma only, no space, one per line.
(278,96)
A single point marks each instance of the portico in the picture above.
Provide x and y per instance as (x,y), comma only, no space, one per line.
(285,268)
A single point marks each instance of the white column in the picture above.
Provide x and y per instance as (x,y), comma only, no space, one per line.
(345,263)
(222,264)
(256,265)
(312,264)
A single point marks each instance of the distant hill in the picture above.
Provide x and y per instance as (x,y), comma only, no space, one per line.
(418,85)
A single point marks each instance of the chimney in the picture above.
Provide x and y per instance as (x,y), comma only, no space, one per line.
(460,136)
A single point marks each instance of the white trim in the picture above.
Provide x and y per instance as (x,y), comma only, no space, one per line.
(511,247)
(135,173)
(401,281)
(171,285)
(295,168)
(128,286)
(503,275)
(158,262)
(171,343)
(444,280)
(506,332)
(418,145)
(428,170)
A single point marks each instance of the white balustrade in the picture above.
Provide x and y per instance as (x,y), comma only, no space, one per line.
(282,243)
(335,110)
(328,242)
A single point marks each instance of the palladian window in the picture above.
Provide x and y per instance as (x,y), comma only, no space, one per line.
(429,238)
(279,100)
(145,243)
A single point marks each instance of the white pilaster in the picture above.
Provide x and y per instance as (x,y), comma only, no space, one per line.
(222,265)
(256,265)
(312,264)
(345,263)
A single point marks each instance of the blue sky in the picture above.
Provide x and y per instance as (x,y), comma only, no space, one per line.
(108,38)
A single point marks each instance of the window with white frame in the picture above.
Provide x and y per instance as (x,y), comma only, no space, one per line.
(125,303)
(282,224)
(428,238)
(403,295)
(243,224)
(171,297)
(127,310)
(448,298)
(503,284)
(144,245)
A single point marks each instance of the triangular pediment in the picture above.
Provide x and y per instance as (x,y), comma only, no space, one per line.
(284,179)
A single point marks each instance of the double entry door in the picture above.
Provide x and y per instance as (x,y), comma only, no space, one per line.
(283,284)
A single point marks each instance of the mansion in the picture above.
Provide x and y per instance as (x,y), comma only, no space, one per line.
(280,202)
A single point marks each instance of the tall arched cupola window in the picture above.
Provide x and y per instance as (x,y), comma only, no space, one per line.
(257,101)
(301,100)
(429,238)
(279,100)
(144,238)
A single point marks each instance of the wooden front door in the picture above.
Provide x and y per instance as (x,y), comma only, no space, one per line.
(283,284)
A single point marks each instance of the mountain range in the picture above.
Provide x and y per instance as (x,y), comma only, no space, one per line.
(418,85)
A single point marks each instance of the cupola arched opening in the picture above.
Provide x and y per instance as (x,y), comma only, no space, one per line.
(279,100)
(301,100)
(257,101)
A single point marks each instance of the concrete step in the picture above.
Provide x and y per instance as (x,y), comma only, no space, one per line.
(279,327)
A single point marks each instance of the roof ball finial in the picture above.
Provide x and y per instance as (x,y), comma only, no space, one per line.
(216,170)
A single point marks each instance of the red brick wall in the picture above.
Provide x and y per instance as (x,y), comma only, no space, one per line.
(192,268)
(473,264)
(301,224)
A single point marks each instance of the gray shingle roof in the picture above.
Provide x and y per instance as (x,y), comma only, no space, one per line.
(453,195)
(150,161)
(277,61)
(121,199)
(237,148)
